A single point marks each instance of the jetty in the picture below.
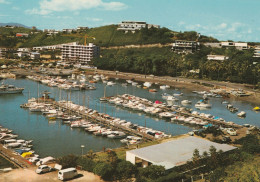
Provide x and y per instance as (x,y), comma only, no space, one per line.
(100,118)
(133,102)
(68,108)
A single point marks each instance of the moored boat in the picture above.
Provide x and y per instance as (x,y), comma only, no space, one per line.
(10,89)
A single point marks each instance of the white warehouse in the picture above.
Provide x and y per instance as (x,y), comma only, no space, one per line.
(173,153)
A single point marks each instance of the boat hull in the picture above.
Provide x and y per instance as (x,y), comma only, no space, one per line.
(17,91)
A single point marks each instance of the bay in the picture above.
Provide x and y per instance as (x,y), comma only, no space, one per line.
(52,138)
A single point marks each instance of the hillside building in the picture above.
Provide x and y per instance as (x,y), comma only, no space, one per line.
(212,44)
(82,54)
(257,52)
(237,45)
(23,49)
(51,47)
(132,26)
(22,34)
(3,53)
(217,57)
(35,55)
(184,47)
(82,28)
(68,30)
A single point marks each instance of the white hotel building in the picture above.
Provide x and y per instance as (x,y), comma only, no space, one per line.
(79,53)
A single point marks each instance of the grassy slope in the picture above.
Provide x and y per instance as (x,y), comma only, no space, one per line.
(7,31)
(248,171)
(105,36)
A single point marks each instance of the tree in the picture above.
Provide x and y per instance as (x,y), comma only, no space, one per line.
(216,175)
(196,157)
(86,163)
(104,170)
(173,176)
(125,170)
(112,157)
(91,155)
(68,161)
(152,172)
(213,157)
(205,154)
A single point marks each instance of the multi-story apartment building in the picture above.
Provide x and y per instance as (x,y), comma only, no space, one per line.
(132,26)
(183,46)
(257,52)
(79,53)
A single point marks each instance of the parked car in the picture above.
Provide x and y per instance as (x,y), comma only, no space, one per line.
(43,169)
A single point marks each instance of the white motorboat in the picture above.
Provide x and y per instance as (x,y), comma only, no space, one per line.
(116,134)
(135,140)
(165,95)
(10,89)
(134,83)
(185,102)
(147,84)
(110,83)
(13,145)
(127,139)
(201,104)
(163,87)
(242,114)
(129,81)
(177,94)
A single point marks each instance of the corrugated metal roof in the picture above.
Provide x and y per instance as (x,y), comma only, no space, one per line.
(177,152)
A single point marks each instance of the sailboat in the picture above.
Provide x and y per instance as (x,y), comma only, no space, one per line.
(103,98)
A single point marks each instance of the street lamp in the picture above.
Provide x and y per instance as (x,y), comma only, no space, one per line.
(82,147)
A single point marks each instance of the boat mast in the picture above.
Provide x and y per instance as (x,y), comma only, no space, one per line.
(38,96)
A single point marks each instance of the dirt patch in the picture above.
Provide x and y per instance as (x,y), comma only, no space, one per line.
(29,175)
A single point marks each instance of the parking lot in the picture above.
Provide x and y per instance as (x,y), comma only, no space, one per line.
(29,175)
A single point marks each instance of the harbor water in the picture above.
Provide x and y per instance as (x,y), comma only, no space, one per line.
(52,138)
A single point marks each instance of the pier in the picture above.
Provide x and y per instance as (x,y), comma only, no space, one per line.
(100,118)
(185,113)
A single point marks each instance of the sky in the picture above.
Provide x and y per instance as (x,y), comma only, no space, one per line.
(237,20)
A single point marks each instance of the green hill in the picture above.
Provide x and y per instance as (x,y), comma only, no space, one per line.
(104,36)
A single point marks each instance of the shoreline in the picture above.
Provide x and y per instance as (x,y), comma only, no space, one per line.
(177,82)
(189,84)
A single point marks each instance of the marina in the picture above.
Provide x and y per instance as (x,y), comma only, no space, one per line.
(49,135)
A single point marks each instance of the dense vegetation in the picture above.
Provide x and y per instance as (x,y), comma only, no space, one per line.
(239,67)
(215,165)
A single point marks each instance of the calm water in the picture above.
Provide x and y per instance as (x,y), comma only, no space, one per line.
(55,139)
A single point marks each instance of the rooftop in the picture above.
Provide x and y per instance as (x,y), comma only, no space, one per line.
(176,152)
